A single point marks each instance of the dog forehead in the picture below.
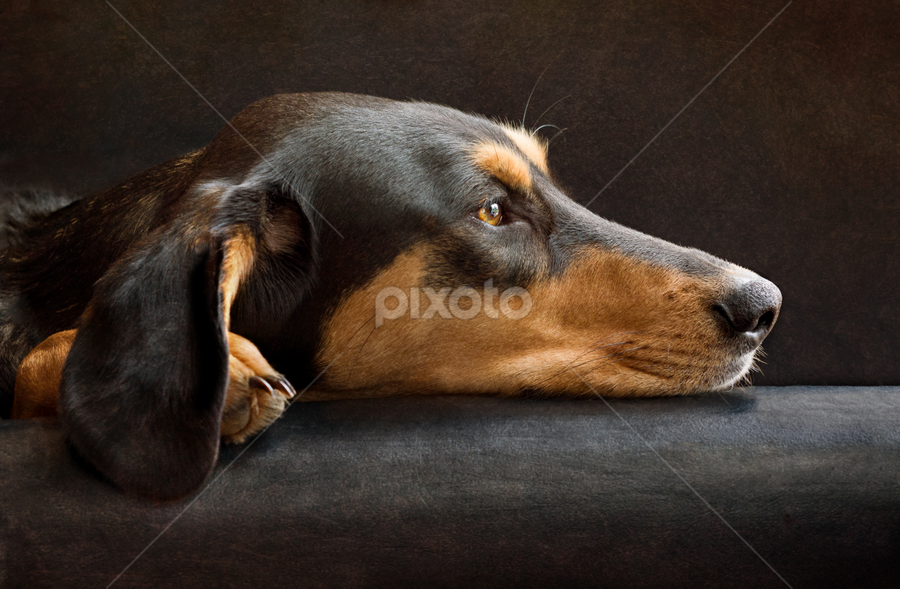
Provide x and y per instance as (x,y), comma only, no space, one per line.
(355,129)
(366,124)
(400,154)
(388,160)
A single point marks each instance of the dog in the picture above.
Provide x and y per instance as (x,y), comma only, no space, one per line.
(371,246)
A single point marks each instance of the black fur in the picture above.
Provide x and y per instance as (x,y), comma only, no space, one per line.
(19,209)
(151,422)
(332,187)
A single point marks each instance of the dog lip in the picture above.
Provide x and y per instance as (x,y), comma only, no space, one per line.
(736,370)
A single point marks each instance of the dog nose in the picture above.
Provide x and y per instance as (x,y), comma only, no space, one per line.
(750,309)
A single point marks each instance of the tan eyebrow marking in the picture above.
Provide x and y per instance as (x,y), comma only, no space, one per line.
(534,149)
(501,161)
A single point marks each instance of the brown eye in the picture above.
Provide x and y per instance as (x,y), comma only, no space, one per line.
(490,213)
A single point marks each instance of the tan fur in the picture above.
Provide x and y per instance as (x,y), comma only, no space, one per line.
(533,148)
(248,409)
(39,377)
(283,232)
(504,163)
(623,325)
(240,250)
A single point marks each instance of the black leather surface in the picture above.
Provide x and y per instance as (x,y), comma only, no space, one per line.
(480,492)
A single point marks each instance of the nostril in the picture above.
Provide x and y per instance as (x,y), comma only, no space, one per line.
(724,311)
(751,308)
(738,320)
(766,320)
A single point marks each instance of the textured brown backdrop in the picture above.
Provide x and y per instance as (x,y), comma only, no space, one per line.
(788,163)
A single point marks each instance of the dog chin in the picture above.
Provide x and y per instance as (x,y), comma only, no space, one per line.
(735,372)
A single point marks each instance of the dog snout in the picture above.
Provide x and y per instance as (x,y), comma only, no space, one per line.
(750,308)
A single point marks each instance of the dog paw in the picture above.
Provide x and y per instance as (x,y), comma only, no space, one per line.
(257,394)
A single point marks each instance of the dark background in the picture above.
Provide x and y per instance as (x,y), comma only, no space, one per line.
(787,164)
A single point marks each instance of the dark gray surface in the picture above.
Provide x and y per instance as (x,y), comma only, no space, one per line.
(454,491)
(787,164)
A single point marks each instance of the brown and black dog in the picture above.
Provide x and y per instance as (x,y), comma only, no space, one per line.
(379,247)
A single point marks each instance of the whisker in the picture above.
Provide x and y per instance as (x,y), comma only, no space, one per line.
(551,106)
(598,359)
(542,126)
(552,61)
(533,88)
(618,355)
(572,363)
(602,365)
(557,135)
(551,377)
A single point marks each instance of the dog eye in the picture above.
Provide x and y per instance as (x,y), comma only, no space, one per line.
(490,213)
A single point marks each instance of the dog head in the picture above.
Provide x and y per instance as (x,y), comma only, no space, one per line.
(448,260)
(384,248)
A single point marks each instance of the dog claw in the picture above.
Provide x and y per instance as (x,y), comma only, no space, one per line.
(256,382)
(279,384)
(284,386)
(257,395)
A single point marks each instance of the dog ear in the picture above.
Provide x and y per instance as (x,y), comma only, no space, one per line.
(145,380)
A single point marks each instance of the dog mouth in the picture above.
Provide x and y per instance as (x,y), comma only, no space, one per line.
(631,367)
(721,373)
(738,372)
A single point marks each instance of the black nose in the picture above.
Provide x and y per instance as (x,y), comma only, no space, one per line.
(750,309)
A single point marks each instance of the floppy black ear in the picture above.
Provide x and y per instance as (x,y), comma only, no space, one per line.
(145,380)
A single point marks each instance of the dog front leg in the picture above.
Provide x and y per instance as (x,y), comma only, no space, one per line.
(257,394)
(39,377)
